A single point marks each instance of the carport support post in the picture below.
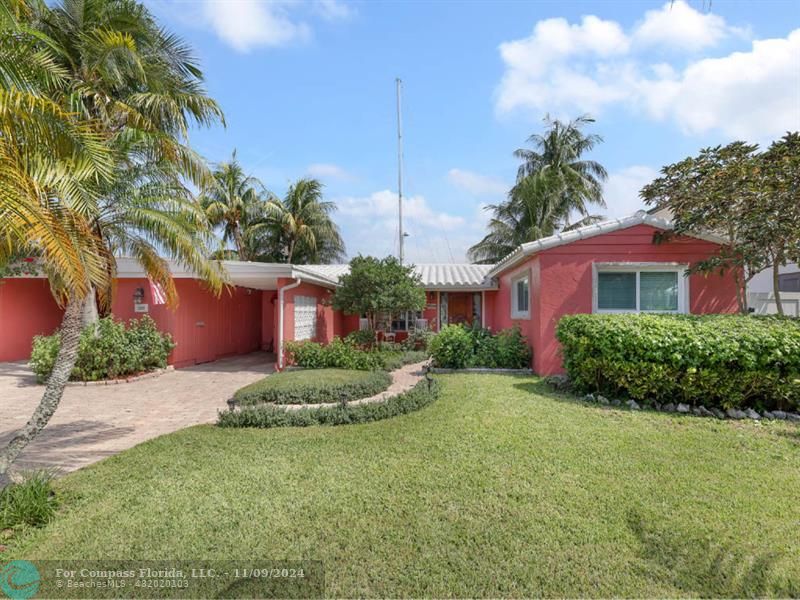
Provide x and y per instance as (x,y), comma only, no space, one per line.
(281,291)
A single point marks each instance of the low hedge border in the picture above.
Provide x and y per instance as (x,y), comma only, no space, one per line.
(312,386)
(561,383)
(724,361)
(131,379)
(266,416)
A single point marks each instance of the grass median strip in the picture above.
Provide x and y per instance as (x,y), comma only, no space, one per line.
(313,386)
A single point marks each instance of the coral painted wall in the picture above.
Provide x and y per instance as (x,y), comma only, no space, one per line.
(561,283)
(27,308)
(203,326)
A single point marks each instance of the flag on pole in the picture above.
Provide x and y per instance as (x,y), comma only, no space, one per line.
(159,296)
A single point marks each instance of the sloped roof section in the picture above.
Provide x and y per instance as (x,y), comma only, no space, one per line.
(590,231)
(434,276)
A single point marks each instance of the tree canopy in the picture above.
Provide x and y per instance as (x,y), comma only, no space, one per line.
(378,286)
(554,185)
(750,198)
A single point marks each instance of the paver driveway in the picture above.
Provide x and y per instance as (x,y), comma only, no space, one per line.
(93,422)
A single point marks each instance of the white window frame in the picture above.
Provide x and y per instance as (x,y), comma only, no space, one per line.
(638,268)
(515,312)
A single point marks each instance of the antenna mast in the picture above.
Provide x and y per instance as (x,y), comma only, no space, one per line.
(399,83)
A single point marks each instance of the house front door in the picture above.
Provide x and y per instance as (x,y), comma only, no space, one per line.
(459,308)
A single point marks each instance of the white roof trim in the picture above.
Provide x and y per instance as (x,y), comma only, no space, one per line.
(590,231)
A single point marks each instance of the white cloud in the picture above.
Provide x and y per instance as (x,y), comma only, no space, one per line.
(246,24)
(329,171)
(677,24)
(477,184)
(369,226)
(333,10)
(621,190)
(568,69)
(383,205)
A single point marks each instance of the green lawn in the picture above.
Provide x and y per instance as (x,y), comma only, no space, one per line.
(499,488)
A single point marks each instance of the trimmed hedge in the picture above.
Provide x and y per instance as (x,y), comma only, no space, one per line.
(460,347)
(345,354)
(422,394)
(107,349)
(313,386)
(724,361)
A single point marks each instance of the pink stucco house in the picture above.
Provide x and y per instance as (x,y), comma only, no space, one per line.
(609,267)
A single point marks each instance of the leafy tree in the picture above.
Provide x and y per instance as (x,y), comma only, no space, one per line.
(749,198)
(95,107)
(376,286)
(553,183)
(237,202)
(299,229)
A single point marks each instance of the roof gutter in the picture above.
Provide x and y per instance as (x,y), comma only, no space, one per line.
(281,293)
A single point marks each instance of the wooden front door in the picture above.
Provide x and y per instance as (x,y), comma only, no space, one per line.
(459,308)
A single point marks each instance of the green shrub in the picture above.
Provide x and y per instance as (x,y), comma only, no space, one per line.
(425,392)
(362,338)
(725,361)
(107,349)
(457,347)
(313,386)
(31,503)
(418,339)
(343,354)
(452,347)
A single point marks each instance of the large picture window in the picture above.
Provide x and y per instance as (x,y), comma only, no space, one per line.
(520,297)
(640,288)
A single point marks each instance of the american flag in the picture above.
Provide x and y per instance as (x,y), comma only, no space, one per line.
(159,296)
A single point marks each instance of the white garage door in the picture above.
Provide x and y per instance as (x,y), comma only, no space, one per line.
(305,317)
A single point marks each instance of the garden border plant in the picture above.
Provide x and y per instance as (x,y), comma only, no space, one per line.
(472,347)
(724,362)
(312,386)
(266,416)
(346,354)
(108,349)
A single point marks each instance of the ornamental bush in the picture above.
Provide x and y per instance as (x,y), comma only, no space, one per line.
(313,386)
(422,394)
(107,349)
(723,361)
(345,354)
(459,347)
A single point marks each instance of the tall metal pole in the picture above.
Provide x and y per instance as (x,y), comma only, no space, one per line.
(400,168)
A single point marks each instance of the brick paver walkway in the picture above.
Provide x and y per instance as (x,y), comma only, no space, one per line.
(93,422)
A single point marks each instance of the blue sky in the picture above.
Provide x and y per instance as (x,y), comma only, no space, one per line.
(308,89)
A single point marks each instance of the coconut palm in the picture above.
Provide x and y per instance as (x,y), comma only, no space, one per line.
(300,228)
(554,184)
(97,101)
(236,202)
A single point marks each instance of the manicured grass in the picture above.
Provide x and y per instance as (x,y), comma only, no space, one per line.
(499,488)
(314,386)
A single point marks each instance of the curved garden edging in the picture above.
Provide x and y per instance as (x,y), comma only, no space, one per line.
(131,379)
(411,389)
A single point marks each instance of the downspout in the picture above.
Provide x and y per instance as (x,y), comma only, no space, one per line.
(483,309)
(281,292)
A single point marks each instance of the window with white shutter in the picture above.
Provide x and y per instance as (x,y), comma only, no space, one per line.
(305,317)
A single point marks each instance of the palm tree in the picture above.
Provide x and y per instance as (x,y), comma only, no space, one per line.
(300,226)
(553,184)
(236,202)
(96,103)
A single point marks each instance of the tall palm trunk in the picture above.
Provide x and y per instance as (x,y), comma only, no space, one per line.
(65,361)
(237,238)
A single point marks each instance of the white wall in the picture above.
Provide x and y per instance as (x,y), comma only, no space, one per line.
(762,282)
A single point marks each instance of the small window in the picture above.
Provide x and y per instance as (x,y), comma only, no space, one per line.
(520,298)
(646,289)
(405,320)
